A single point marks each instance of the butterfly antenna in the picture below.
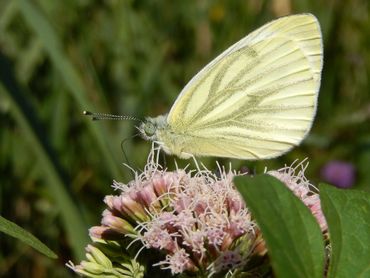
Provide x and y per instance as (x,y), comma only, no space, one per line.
(103,116)
(125,155)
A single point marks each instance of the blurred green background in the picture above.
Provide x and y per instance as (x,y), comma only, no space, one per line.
(58,58)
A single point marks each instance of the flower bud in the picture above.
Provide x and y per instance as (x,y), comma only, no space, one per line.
(159,185)
(101,232)
(133,209)
(92,268)
(148,197)
(117,224)
(99,256)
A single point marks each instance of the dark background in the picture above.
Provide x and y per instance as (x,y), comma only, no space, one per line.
(59,58)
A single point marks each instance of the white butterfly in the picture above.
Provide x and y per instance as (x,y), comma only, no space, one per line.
(255,100)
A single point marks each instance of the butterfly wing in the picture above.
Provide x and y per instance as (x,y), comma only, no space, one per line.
(258,98)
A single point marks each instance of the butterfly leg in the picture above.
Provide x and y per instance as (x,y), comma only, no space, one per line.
(195,162)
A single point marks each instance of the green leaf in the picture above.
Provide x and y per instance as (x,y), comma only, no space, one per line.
(348,215)
(293,237)
(14,230)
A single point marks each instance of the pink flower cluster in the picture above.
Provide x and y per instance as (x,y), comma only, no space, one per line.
(198,221)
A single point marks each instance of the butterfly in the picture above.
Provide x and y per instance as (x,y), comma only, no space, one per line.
(256,100)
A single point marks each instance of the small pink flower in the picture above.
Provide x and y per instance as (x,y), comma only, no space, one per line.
(178,262)
(215,235)
(159,238)
(228,260)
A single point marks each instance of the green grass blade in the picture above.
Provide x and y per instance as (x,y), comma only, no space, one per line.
(14,230)
(25,117)
(61,62)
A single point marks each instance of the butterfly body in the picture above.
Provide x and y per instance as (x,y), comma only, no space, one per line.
(171,141)
(255,100)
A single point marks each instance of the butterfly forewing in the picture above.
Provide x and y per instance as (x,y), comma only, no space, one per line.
(258,98)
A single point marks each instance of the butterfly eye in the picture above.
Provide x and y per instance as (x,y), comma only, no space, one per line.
(149,129)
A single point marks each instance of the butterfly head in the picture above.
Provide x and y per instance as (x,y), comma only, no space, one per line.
(149,128)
